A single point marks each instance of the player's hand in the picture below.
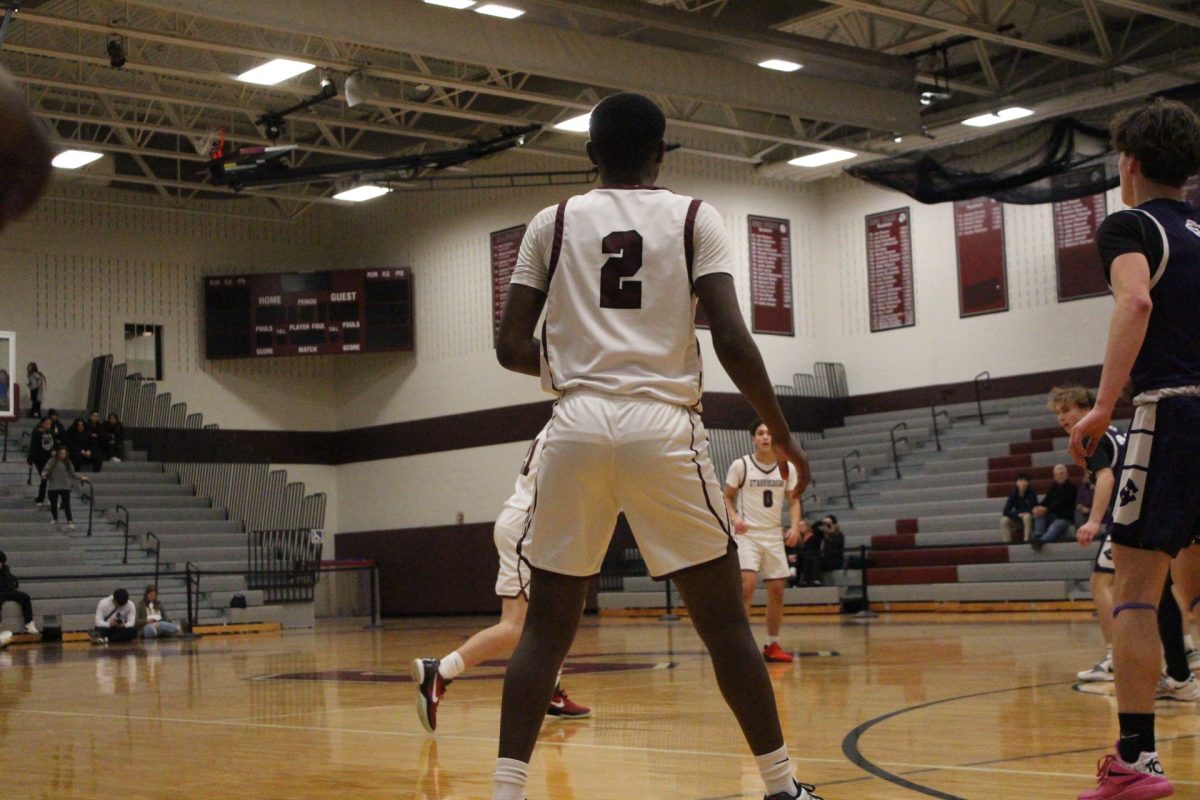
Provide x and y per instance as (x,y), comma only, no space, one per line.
(739,525)
(790,455)
(791,538)
(1085,436)
(1087,533)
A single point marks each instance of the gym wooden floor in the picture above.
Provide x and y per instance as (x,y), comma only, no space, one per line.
(946,706)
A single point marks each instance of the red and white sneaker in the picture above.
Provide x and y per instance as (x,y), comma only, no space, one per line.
(1144,780)
(565,707)
(430,688)
(774,654)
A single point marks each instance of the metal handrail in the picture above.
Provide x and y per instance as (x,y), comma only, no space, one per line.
(192,576)
(987,376)
(934,414)
(899,426)
(846,474)
(91,501)
(123,523)
(157,552)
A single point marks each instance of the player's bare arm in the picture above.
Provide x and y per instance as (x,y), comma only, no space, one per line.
(516,346)
(1126,332)
(1101,502)
(740,357)
(739,524)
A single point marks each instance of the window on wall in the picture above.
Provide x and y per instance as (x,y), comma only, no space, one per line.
(143,350)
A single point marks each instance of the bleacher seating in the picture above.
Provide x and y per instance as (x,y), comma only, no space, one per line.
(187,526)
(932,534)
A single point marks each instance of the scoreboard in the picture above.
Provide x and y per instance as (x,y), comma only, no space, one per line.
(308,313)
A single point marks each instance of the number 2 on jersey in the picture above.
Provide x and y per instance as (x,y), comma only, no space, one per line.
(625,247)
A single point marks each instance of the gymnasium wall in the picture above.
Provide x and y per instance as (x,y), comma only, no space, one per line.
(1036,334)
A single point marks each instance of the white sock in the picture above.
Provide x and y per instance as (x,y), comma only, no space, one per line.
(776,769)
(772,640)
(509,779)
(1188,644)
(451,666)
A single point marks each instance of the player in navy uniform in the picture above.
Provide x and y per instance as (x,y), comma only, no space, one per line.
(619,271)
(1070,404)
(1151,255)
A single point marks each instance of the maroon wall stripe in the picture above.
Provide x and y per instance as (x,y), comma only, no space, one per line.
(894,542)
(895,576)
(932,557)
(1039,446)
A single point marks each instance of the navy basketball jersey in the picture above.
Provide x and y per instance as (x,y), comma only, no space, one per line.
(1167,233)
(1110,454)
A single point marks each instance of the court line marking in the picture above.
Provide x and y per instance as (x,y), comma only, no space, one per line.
(584,745)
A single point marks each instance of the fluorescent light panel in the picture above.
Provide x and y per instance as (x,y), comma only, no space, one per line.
(74,159)
(497,10)
(361,193)
(823,158)
(575,124)
(1003,115)
(274,72)
(780,65)
(459,4)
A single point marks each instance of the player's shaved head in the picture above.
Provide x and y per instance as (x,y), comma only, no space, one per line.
(626,130)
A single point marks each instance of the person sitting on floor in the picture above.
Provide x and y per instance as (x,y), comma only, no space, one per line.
(116,618)
(9,594)
(151,618)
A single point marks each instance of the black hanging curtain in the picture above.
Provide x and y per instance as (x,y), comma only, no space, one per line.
(1057,160)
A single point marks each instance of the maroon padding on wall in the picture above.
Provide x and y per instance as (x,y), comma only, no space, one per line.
(449,569)
(1006,462)
(1040,446)
(905,575)
(948,556)
(906,526)
(897,542)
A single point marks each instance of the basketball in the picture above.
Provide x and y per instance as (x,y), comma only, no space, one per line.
(25,153)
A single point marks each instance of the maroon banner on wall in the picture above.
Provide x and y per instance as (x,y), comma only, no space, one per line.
(771,275)
(890,270)
(506,245)
(1080,272)
(982,273)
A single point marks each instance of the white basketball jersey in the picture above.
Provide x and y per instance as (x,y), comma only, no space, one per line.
(618,274)
(522,496)
(762,493)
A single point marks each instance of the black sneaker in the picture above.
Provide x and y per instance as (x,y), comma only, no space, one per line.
(430,688)
(803,792)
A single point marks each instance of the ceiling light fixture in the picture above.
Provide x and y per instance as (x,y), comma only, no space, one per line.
(575,124)
(274,72)
(360,194)
(1003,115)
(780,65)
(497,10)
(74,159)
(823,158)
(459,4)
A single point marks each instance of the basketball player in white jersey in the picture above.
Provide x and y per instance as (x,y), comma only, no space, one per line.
(754,492)
(433,675)
(619,271)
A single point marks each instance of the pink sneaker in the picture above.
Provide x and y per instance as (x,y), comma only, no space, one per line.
(1119,781)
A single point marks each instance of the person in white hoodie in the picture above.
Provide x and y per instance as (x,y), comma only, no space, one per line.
(116,618)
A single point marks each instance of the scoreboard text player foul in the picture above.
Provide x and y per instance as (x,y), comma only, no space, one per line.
(308,313)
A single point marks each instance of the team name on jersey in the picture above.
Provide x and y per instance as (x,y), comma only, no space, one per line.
(765,482)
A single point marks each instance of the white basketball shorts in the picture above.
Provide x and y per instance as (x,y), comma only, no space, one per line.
(761,550)
(607,453)
(512,579)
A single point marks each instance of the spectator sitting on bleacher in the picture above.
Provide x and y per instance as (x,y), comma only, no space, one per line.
(60,478)
(151,619)
(9,594)
(115,619)
(833,548)
(112,441)
(810,554)
(1053,517)
(82,446)
(1016,521)
(41,449)
(56,426)
(1083,501)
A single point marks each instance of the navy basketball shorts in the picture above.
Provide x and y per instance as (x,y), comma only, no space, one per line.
(1157,506)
